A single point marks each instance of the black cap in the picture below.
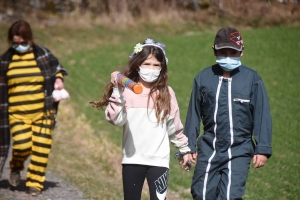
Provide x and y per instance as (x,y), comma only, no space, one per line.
(228,38)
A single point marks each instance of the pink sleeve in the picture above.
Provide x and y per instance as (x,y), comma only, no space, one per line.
(175,127)
(115,110)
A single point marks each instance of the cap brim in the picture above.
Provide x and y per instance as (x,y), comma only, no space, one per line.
(230,46)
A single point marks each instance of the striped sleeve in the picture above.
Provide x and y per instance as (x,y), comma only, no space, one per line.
(59,75)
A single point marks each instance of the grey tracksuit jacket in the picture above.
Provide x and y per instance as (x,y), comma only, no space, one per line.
(237,124)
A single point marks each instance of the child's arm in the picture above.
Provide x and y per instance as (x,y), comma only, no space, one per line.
(193,117)
(175,127)
(262,128)
(115,110)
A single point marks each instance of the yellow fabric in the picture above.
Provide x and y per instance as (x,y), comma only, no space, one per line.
(25,83)
(30,126)
(59,75)
(33,138)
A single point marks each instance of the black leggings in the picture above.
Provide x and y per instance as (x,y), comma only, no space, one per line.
(134,177)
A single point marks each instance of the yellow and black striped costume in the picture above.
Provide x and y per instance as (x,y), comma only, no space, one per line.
(30,125)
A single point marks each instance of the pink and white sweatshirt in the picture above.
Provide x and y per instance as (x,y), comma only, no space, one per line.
(145,141)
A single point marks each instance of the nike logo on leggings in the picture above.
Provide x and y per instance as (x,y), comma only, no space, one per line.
(161,196)
(161,185)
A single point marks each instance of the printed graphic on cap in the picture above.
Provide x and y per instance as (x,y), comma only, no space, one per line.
(236,38)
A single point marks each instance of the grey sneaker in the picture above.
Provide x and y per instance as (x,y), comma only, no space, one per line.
(14,179)
(34,191)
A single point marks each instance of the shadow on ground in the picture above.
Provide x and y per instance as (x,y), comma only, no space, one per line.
(22,187)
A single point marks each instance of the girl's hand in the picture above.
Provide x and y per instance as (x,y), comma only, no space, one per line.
(59,84)
(259,160)
(113,78)
(193,157)
(185,162)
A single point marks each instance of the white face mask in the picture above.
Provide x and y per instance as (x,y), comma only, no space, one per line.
(21,48)
(229,63)
(149,75)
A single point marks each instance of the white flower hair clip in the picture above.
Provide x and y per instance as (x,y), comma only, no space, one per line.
(138,48)
(148,42)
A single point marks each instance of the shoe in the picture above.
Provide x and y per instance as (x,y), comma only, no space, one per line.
(14,179)
(34,191)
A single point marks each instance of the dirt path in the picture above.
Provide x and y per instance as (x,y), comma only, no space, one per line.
(54,188)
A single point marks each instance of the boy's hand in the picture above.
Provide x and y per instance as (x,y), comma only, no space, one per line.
(193,157)
(185,164)
(259,160)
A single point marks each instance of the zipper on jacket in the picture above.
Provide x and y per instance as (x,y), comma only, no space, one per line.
(241,100)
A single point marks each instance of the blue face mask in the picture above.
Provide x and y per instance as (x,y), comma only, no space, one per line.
(21,48)
(229,63)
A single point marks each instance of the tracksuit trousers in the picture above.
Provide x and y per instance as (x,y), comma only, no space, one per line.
(218,177)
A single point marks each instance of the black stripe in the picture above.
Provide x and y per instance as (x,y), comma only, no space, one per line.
(41,135)
(21,157)
(26,102)
(22,141)
(44,125)
(25,84)
(38,154)
(27,112)
(16,123)
(38,163)
(23,67)
(36,172)
(23,75)
(34,181)
(21,132)
(48,146)
(26,93)
(22,150)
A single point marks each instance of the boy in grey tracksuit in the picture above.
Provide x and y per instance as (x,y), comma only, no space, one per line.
(231,101)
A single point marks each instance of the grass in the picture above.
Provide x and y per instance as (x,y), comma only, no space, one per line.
(93,146)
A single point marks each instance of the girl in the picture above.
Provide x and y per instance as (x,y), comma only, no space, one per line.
(149,121)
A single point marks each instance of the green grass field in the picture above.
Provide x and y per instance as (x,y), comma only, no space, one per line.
(273,52)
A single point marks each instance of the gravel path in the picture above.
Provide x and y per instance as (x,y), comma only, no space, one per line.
(54,188)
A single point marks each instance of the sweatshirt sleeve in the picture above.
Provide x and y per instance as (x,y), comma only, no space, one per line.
(115,111)
(193,117)
(262,119)
(175,127)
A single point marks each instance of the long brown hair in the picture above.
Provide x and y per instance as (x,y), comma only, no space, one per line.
(159,91)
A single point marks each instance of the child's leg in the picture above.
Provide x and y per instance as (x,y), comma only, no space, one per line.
(206,174)
(133,180)
(205,185)
(234,176)
(157,178)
